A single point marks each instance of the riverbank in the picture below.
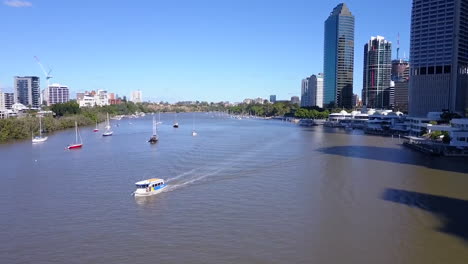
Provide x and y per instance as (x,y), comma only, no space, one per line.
(23,128)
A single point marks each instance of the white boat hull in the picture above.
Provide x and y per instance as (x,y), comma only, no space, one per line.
(142,194)
(39,140)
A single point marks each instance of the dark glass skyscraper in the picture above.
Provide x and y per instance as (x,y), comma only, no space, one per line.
(27,91)
(439,57)
(338,63)
(377,72)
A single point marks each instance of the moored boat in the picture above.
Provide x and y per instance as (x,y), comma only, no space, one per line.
(108,131)
(77,144)
(40,138)
(154,138)
(176,124)
(149,187)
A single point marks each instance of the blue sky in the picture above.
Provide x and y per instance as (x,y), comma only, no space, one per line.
(175,50)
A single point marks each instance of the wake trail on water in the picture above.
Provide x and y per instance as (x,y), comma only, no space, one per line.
(232,167)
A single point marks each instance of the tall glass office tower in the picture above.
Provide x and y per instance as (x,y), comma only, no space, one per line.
(377,72)
(338,62)
(439,57)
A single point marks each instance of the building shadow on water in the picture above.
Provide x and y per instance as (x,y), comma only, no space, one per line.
(452,212)
(399,155)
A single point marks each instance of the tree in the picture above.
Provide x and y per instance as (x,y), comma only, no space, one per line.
(68,108)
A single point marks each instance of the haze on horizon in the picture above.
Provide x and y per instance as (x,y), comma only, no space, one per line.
(180,50)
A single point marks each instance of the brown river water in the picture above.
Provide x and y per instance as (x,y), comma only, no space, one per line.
(242,191)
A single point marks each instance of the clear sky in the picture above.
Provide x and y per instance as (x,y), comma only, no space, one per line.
(175,50)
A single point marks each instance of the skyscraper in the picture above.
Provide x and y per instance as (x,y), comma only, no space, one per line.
(27,91)
(339,58)
(377,72)
(305,95)
(312,91)
(439,57)
(400,75)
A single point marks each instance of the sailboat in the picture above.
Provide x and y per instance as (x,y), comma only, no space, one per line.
(159,118)
(194,133)
(154,138)
(96,129)
(176,124)
(76,144)
(40,138)
(108,128)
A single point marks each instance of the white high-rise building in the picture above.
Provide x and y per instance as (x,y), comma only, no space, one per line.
(56,93)
(312,91)
(136,97)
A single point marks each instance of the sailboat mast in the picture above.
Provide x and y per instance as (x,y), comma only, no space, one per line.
(40,126)
(76,132)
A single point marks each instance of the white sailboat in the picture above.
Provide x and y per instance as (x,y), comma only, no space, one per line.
(40,138)
(194,133)
(108,131)
(155,137)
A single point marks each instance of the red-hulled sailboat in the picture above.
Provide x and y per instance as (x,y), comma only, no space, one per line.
(77,144)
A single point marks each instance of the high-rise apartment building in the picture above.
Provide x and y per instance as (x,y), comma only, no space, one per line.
(339,58)
(312,91)
(57,93)
(377,72)
(27,91)
(8,100)
(136,97)
(439,57)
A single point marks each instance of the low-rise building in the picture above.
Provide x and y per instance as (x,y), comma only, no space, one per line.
(93,98)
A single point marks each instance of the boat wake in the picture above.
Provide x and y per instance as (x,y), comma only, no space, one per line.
(251,162)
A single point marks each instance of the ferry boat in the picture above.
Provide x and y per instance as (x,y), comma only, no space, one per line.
(149,187)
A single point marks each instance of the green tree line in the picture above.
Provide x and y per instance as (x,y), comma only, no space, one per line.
(276,109)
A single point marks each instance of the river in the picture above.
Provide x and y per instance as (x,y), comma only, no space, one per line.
(242,191)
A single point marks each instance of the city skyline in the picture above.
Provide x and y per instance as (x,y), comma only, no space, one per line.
(251,50)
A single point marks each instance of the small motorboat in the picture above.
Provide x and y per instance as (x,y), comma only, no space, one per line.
(149,187)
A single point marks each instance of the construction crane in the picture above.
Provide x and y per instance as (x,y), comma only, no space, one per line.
(47,74)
